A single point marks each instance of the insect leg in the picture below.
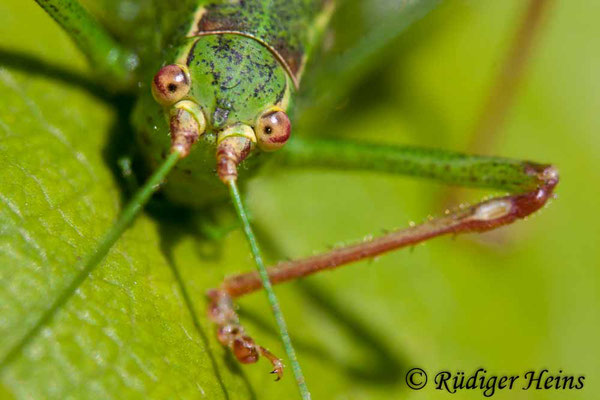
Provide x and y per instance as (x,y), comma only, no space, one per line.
(506,84)
(505,87)
(113,63)
(232,334)
(531,186)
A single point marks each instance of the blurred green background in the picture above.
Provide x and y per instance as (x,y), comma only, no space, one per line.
(523,298)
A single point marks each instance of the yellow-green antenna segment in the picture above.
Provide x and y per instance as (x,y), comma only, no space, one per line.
(264,276)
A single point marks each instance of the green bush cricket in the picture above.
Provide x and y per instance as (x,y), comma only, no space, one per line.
(214,116)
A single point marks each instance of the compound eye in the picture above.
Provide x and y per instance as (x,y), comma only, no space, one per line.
(273,129)
(170,84)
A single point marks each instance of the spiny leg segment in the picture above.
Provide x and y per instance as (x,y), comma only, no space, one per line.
(531,186)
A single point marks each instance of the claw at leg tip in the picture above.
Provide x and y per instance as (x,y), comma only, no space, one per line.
(278,372)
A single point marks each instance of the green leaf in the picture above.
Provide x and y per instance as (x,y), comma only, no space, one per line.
(128,332)
(523,300)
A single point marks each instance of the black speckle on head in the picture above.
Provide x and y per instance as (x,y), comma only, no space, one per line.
(191,55)
(281,94)
(220,117)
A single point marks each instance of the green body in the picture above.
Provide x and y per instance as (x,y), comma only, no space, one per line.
(242,59)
